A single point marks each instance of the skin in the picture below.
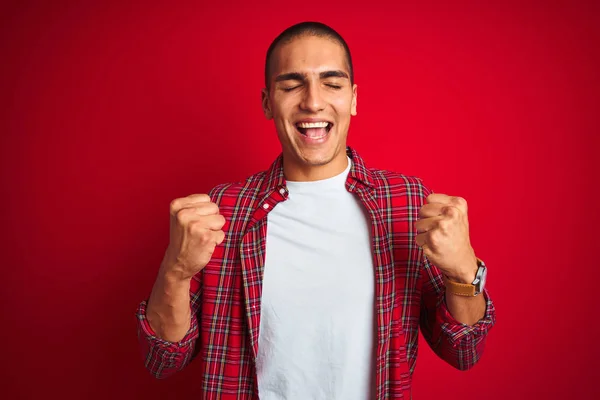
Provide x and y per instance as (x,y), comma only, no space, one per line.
(307,82)
(195,231)
(310,79)
(443,228)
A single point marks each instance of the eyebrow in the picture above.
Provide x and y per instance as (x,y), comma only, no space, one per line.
(333,74)
(296,76)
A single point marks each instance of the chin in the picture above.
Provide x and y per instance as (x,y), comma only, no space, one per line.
(317,157)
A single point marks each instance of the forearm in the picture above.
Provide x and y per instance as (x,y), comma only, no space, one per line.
(168,311)
(467,310)
(167,326)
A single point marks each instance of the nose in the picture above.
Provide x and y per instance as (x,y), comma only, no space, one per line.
(312,99)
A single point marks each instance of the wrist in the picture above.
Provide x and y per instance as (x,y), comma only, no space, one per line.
(467,274)
(470,286)
(173,272)
(174,277)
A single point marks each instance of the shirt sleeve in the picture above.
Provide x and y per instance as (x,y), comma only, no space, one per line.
(163,358)
(459,344)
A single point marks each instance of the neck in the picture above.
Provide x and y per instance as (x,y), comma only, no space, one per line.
(303,172)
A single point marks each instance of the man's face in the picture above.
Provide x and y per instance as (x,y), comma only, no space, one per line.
(311,101)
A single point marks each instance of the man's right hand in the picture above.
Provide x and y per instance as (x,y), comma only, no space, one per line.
(195,231)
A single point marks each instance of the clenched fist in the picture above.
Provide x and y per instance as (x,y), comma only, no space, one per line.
(195,231)
(443,234)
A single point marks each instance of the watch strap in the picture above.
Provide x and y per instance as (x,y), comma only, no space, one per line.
(460,289)
(463,289)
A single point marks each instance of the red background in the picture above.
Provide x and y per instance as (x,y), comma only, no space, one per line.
(109,111)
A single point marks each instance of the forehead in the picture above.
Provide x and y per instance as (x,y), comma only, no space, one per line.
(309,54)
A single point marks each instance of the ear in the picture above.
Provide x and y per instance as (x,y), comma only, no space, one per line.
(266,103)
(354,96)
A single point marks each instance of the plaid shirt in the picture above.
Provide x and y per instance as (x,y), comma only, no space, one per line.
(225,295)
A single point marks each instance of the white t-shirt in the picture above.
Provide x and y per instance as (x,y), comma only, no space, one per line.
(317,326)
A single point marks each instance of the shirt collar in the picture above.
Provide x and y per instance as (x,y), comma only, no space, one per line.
(275,180)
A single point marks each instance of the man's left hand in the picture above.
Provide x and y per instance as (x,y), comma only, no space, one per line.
(443,234)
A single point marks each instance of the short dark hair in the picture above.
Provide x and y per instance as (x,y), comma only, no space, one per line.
(308,28)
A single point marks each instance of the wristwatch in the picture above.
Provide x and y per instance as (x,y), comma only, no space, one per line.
(466,289)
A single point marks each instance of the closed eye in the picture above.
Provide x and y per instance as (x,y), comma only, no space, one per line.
(289,89)
(334,86)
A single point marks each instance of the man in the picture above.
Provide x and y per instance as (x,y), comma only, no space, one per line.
(310,280)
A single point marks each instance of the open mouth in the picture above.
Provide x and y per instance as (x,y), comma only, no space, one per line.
(314,130)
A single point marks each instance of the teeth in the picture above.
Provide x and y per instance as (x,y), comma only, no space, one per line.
(307,125)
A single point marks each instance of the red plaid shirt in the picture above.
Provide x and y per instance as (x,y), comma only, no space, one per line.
(225,296)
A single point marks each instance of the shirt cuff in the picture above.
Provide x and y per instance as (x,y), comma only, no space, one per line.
(457,331)
(146,332)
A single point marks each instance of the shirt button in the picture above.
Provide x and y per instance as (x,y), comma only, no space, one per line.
(265,206)
(282,191)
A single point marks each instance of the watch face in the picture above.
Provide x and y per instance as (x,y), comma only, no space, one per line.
(482,280)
